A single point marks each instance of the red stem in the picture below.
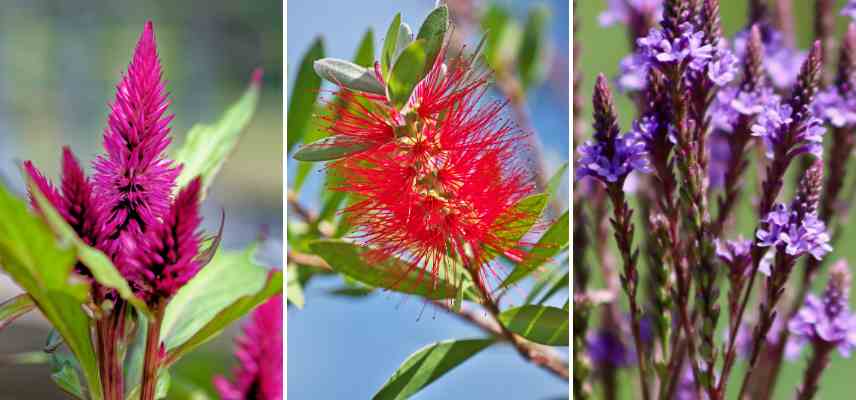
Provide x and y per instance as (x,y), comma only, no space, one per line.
(151,361)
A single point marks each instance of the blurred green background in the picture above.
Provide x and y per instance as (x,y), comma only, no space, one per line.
(602,49)
(59,64)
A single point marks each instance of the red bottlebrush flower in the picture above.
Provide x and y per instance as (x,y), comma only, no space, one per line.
(446,188)
(259,351)
(164,258)
(445,85)
(134,179)
(74,202)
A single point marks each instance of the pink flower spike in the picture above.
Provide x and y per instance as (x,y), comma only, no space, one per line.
(134,179)
(166,256)
(79,207)
(259,351)
(47,189)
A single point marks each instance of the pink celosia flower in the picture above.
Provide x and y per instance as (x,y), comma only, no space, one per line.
(134,180)
(164,258)
(74,202)
(259,352)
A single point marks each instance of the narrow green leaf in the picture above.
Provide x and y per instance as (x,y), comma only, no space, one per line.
(364,56)
(503,37)
(426,365)
(550,244)
(408,70)
(405,37)
(511,228)
(387,57)
(304,95)
(555,181)
(433,32)
(330,148)
(37,262)
(532,59)
(98,263)
(348,74)
(65,376)
(15,307)
(561,285)
(235,310)
(208,146)
(540,324)
(349,259)
(294,291)
(350,291)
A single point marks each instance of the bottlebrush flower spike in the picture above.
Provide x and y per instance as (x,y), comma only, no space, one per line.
(163,259)
(134,180)
(259,352)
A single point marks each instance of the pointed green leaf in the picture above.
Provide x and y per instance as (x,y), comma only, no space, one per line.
(427,365)
(433,32)
(364,56)
(540,324)
(15,307)
(511,228)
(387,56)
(64,374)
(37,262)
(532,59)
(555,181)
(349,259)
(98,263)
(226,289)
(307,86)
(207,147)
(405,37)
(551,243)
(408,70)
(330,148)
(348,74)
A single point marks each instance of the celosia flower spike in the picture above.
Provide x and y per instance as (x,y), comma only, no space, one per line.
(258,375)
(134,180)
(163,259)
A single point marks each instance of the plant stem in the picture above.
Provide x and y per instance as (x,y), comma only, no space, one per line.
(152,356)
(811,378)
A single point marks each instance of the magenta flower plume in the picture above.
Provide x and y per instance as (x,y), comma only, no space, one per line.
(259,351)
(165,257)
(134,179)
(74,201)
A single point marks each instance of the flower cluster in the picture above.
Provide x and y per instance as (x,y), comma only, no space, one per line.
(797,234)
(777,126)
(828,319)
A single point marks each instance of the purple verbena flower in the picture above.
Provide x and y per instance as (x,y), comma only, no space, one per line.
(836,109)
(620,11)
(134,180)
(796,234)
(607,350)
(828,319)
(628,155)
(259,352)
(719,159)
(736,254)
(775,122)
(165,258)
(781,61)
(689,48)
(723,67)
(633,72)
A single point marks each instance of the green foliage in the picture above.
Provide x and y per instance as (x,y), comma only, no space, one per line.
(540,324)
(329,148)
(15,307)
(208,146)
(433,32)
(503,37)
(350,260)
(533,57)
(304,95)
(551,243)
(426,365)
(348,74)
(388,53)
(36,261)
(294,291)
(408,71)
(64,374)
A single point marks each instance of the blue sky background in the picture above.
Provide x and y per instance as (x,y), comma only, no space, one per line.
(342,348)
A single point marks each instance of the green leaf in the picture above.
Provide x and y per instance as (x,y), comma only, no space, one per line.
(433,32)
(387,56)
(350,291)
(511,228)
(64,374)
(294,291)
(555,181)
(426,365)
(364,56)
(208,146)
(224,291)
(408,70)
(161,387)
(405,37)
(230,276)
(98,263)
(550,244)
(348,74)
(37,262)
(350,260)
(560,285)
(330,148)
(540,324)
(532,59)
(307,86)
(503,37)
(15,307)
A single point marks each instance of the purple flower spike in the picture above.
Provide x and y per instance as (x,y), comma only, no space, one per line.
(134,180)
(165,258)
(735,253)
(837,109)
(605,349)
(775,123)
(622,11)
(689,47)
(797,235)
(723,68)
(781,61)
(259,374)
(828,320)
